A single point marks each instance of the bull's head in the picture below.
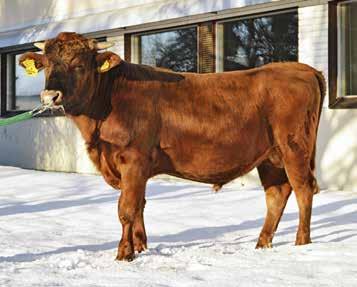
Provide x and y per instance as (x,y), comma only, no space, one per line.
(72,67)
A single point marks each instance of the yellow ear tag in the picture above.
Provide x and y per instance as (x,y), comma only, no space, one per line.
(30,67)
(105,66)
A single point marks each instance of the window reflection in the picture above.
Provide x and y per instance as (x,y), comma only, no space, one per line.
(254,42)
(176,50)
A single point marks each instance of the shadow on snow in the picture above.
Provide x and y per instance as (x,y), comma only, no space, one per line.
(191,236)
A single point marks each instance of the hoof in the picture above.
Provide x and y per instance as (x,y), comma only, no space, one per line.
(265,241)
(302,241)
(128,258)
(140,247)
(264,245)
(125,252)
(140,241)
(302,238)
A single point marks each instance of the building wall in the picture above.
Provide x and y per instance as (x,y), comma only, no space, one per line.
(337,145)
(55,144)
(37,20)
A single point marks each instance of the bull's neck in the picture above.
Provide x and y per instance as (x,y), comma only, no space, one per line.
(100,106)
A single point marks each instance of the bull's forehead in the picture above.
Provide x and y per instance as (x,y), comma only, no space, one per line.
(67,49)
(67,46)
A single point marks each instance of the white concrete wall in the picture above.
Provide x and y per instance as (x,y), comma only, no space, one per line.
(52,143)
(313,38)
(337,143)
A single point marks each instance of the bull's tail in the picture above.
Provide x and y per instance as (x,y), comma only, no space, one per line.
(322,85)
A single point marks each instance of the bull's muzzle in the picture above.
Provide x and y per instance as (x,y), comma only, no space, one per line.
(51,97)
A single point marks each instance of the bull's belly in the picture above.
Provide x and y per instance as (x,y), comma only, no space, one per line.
(213,165)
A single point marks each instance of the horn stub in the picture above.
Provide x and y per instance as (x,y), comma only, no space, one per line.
(104,45)
(40,45)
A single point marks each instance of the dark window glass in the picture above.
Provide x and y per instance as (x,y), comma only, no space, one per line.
(23,91)
(347,15)
(257,41)
(176,50)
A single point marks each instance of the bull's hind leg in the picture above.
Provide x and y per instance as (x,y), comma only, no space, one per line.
(313,168)
(297,156)
(277,191)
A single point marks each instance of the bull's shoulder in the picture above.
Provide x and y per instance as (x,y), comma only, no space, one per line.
(115,131)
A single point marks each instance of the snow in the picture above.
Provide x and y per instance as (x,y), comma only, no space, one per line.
(60,229)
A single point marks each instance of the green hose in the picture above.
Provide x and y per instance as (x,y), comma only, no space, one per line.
(16,119)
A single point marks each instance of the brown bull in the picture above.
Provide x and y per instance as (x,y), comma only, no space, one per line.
(139,121)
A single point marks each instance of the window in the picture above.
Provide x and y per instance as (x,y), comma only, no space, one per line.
(172,49)
(343,54)
(255,41)
(27,89)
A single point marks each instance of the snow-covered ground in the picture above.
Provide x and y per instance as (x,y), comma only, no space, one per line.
(61,229)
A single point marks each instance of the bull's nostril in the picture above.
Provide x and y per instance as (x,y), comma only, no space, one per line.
(57,97)
(51,97)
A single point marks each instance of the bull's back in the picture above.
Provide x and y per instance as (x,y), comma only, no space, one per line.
(216,127)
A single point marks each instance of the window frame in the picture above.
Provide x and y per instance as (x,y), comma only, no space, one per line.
(219,32)
(5,53)
(336,100)
(133,38)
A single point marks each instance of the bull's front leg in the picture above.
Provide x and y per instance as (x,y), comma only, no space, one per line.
(130,208)
(139,233)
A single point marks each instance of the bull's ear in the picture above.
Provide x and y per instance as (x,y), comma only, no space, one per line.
(32,62)
(107,61)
